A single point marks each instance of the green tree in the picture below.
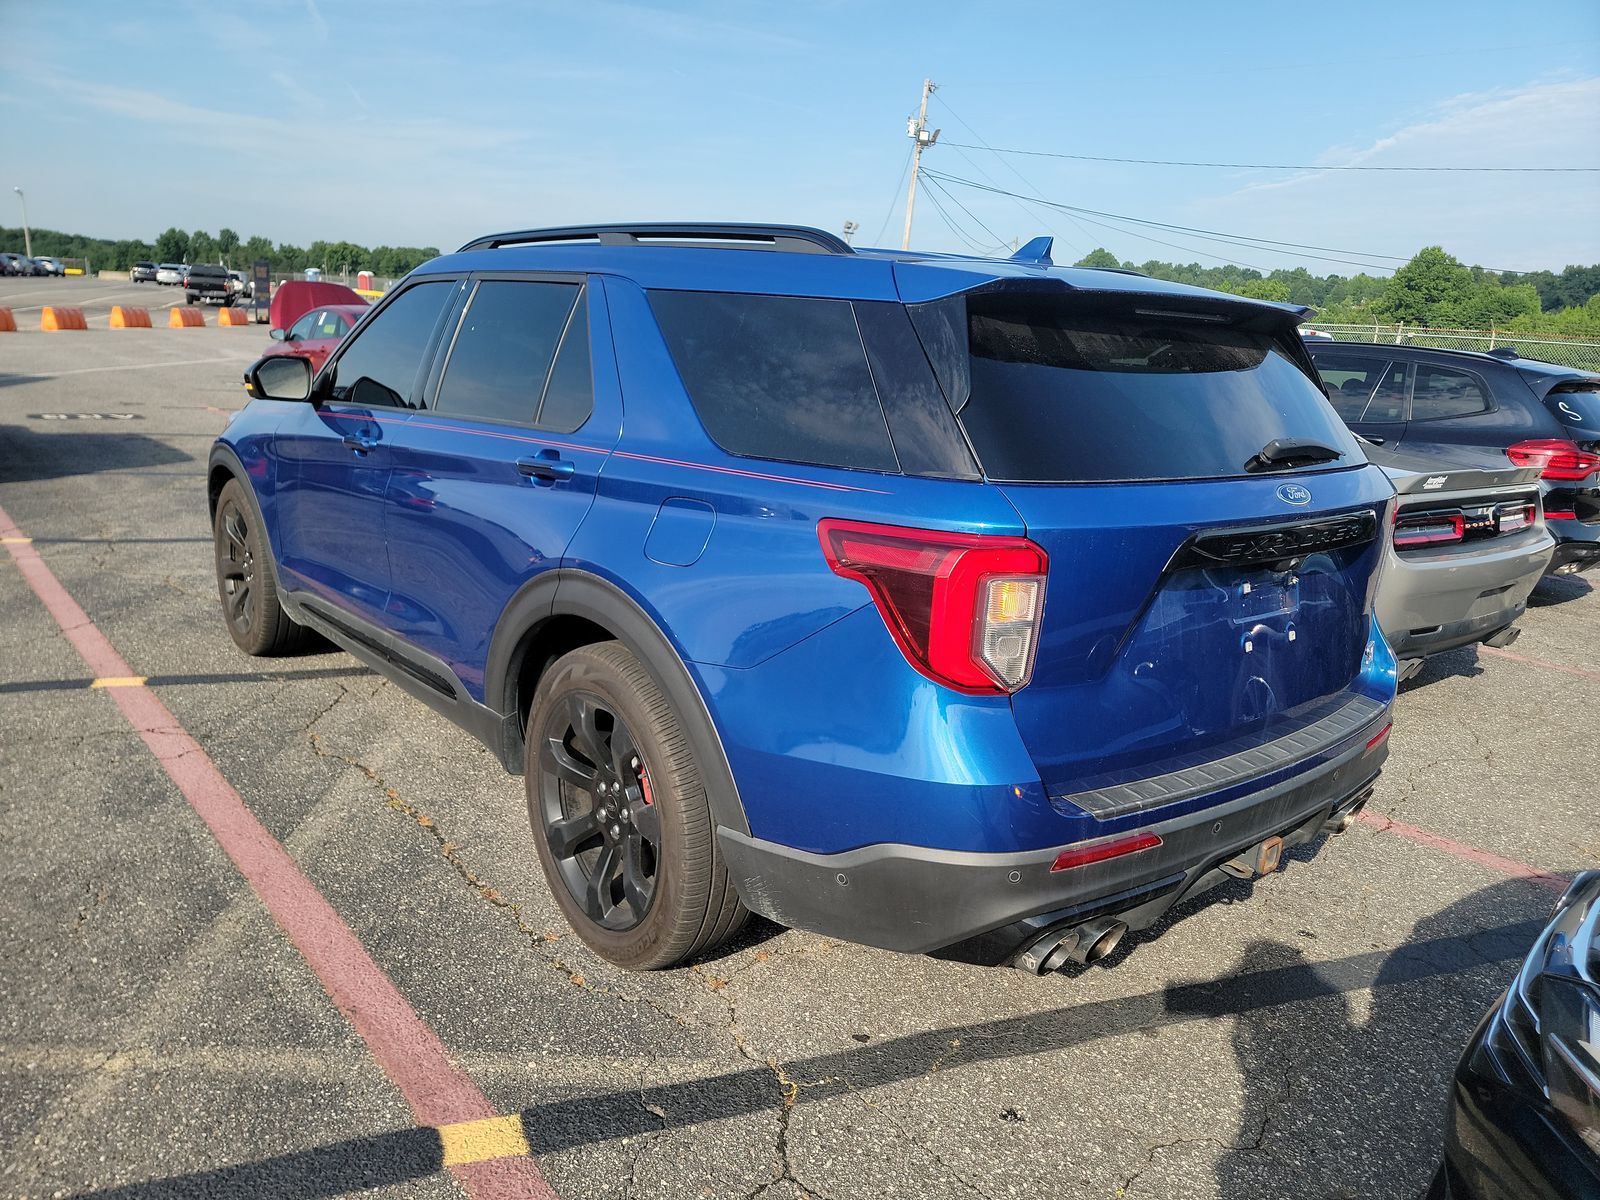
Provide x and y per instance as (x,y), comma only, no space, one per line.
(202,247)
(1265,289)
(227,243)
(1098,257)
(172,246)
(1432,289)
(256,247)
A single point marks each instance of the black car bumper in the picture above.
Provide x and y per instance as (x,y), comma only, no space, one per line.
(1503,1140)
(989,907)
(1572,556)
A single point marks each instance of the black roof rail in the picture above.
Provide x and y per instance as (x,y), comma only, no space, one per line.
(797,238)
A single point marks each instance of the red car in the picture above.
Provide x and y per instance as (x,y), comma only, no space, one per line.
(316,333)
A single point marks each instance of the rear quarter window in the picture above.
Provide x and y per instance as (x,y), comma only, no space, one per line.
(778,377)
(1441,392)
(1065,390)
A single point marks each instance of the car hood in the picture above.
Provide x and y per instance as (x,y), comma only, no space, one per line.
(1420,472)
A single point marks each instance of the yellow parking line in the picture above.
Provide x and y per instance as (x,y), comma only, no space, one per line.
(119,681)
(15,541)
(478,1141)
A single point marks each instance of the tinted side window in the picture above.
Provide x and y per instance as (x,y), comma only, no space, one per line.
(380,366)
(1442,392)
(1388,403)
(1351,382)
(569,395)
(781,377)
(504,349)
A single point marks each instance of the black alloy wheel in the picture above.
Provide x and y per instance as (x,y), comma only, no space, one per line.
(236,568)
(598,811)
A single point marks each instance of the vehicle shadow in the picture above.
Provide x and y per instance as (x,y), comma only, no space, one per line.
(1454,664)
(1559,589)
(1357,1102)
(1337,1103)
(28,456)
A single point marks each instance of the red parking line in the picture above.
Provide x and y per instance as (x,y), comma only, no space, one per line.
(409,1052)
(1484,858)
(1539,662)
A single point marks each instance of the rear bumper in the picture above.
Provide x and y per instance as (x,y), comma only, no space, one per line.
(917,900)
(1575,555)
(1431,602)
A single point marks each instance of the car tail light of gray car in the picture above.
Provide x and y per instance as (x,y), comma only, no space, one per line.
(1448,526)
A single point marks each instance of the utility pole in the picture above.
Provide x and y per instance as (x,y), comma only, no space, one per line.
(27,238)
(917,130)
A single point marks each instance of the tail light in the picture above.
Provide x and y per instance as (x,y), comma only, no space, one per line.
(1510,518)
(1555,458)
(964,608)
(1429,529)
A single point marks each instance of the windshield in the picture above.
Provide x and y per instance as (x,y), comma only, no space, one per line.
(1066,391)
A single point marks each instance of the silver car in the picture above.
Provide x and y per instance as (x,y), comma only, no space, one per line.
(1467,547)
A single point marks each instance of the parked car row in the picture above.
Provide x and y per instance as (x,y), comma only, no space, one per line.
(207,283)
(39,264)
(937,603)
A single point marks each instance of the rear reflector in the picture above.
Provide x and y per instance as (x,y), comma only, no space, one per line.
(1552,514)
(1429,529)
(1556,459)
(1377,739)
(1082,856)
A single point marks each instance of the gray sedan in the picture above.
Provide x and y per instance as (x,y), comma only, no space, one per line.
(1467,546)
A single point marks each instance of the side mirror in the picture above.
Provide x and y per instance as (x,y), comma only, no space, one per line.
(281,377)
(279,335)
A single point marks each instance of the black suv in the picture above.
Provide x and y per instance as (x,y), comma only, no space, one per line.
(1483,408)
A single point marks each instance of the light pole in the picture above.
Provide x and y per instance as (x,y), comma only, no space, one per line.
(27,238)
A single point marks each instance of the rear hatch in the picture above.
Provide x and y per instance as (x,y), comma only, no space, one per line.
(1212,527)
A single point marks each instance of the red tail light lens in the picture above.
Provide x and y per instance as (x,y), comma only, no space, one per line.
(964,608)
(1556,459)
(1429,529)
(1082,856)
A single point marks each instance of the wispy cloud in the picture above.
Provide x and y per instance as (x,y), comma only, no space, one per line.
(1509,221)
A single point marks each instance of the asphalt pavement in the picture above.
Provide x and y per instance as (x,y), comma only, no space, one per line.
(161,1036)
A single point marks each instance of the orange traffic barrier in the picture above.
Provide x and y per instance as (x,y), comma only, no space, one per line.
(55,317)
(8,323)
(186,318)
(129,318)
(233,316)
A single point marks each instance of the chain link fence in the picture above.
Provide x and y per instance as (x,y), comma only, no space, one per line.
(1583,353)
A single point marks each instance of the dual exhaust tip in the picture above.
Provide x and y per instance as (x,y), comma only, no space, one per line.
(1082,944)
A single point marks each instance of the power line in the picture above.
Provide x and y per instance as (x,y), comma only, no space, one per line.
(894,200)
(1294,249)
(950,224)
(1025,180)
(1163,162)
(954,199)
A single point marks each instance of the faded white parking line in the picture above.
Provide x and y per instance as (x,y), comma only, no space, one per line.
(179,362)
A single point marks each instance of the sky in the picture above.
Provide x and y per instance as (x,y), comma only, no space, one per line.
(429,123)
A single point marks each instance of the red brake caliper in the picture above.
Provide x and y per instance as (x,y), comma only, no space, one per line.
(644,786)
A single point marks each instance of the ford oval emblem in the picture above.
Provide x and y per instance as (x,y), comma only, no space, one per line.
(1293,493)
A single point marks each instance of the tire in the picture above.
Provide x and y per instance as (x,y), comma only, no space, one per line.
(245,581)
(645,887)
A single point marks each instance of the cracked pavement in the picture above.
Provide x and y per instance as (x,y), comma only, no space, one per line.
(155,1025)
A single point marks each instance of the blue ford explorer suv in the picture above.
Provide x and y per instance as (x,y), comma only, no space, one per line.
(932,602)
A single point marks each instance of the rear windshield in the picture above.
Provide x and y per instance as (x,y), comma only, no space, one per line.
(1064,393)
(204,270)
(1576,405)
